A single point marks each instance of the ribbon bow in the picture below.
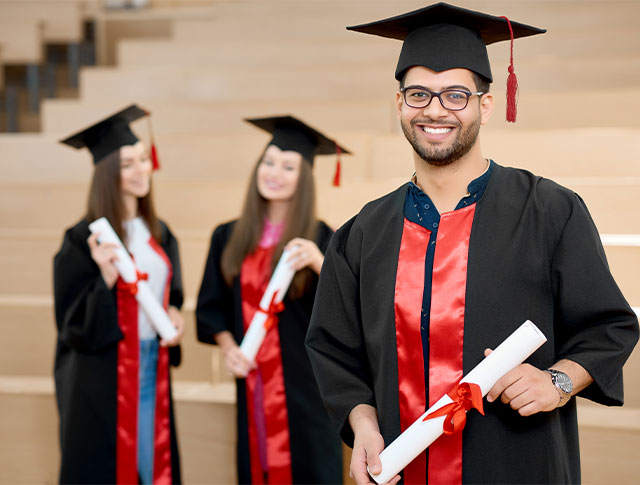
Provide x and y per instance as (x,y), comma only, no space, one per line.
(272,312)
(133,286)
(465,396)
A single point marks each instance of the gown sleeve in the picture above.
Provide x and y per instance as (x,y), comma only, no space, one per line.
(596,327)
(214,308)
(335,342)
(85,309)
(176,293)
(170,246)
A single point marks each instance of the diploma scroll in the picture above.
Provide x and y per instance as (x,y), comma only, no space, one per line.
(417,437)
(275,292)
(129,274)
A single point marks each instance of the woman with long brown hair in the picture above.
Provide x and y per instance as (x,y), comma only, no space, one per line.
(111,369)
(284,433)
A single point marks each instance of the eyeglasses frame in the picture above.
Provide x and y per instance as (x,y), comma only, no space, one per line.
(436,94)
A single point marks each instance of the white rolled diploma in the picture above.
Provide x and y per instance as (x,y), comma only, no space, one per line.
(128,272)
(417,437)
(278,285)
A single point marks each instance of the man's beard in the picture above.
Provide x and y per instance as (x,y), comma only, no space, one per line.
(441,157)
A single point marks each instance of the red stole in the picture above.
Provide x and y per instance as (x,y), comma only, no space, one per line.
(254,278)
(128,390)
(446,333)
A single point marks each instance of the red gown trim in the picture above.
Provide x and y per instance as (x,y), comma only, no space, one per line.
(127,388)
(446,332)
(128,392)
(254,277)
(408,306)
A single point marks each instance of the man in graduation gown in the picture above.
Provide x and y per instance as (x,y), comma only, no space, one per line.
(419,285)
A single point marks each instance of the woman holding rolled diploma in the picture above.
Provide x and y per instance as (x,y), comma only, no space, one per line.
(284,434)
(111,368)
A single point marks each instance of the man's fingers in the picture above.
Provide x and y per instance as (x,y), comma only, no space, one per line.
(523,401)
(495,392)
(513,391)
(507,380)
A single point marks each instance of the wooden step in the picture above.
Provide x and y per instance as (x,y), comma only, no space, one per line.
(557,15)
(189,116)
(181,112)
(58,20)
(205,417)
(24,355)
(267,53)
(237,44)
(370,80)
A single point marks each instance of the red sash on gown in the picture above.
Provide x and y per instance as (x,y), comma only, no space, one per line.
(128,390)
(254,278)
(446,334)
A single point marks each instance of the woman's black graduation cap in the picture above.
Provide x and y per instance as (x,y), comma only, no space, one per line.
(111,133)
(290,133)
(443,36)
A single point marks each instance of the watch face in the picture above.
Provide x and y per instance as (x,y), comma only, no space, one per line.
(563,382)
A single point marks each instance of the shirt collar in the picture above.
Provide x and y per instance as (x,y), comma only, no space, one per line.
(475,188)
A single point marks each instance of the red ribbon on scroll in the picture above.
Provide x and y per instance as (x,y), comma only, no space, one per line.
(272,312)
(465,396)
(133,286)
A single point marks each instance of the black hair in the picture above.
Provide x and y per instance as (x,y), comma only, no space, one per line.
(482,83)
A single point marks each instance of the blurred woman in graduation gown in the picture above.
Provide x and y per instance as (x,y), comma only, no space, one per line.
(111,371)
(284,434)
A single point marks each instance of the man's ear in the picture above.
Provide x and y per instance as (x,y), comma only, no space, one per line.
(486,108)
(399,101)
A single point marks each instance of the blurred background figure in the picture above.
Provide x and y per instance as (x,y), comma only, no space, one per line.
(112,370)
(284,433)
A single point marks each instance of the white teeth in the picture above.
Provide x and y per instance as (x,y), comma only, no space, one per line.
(437,131)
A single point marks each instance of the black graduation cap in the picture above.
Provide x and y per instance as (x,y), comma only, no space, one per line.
(290,133)
(110,134)
(443,36)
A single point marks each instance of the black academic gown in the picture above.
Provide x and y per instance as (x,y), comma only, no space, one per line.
(316,455)
(534,254)
(87,358)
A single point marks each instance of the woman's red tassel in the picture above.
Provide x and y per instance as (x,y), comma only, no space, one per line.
(336,175)
(512,84)
(155,162)
(154,157)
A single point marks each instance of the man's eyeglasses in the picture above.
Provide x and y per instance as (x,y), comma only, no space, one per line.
(450,99)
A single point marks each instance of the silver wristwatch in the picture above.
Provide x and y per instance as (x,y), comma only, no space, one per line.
(563,384)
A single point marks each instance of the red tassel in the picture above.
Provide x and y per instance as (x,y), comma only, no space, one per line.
(512,84)
(154,157)
(155,162)
(336,175)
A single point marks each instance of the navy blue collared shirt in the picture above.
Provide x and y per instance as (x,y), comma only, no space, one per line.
(419,209)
